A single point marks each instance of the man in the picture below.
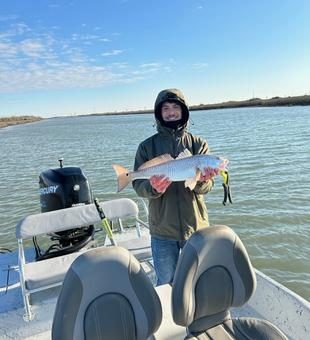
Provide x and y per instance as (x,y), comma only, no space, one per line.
(175,212)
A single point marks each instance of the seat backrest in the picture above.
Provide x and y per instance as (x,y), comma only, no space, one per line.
(213,274)
(75,217)
(106,295)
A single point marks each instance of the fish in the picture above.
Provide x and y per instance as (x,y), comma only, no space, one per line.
(185,167)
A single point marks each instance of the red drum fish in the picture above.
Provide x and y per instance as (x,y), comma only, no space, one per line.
(185,167)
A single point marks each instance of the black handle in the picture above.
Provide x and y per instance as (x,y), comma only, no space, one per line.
(229,194)
(99,209)
(225,193)
(105,222)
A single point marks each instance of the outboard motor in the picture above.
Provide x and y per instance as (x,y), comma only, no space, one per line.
(60,188)
(63,187)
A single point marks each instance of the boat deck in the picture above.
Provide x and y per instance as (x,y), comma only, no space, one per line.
(271,301)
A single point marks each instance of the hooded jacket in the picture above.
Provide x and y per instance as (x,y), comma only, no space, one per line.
(178,212)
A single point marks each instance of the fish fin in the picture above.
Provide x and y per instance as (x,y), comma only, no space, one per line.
(191,183)
(155,161)
(184,154)
(122,177)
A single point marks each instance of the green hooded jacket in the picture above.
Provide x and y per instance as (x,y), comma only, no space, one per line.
(179,212)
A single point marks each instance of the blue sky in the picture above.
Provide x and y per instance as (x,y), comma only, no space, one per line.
(79,57)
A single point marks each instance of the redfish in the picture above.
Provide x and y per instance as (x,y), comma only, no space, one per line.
(185,167)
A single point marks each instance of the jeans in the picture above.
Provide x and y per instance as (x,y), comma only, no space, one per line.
(165,255)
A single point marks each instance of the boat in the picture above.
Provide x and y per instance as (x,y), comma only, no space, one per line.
(31,281)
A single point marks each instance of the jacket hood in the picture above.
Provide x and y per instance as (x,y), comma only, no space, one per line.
(171,95)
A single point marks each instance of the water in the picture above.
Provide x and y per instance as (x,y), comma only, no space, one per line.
(268,150)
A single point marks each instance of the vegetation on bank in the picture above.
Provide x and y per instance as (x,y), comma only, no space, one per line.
(15,120)
(257,102)
(254,102)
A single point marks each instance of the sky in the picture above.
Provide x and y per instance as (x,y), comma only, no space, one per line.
(63,58)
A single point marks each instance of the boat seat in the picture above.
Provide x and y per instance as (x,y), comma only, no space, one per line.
(106,295)
(213,275)
(36,276)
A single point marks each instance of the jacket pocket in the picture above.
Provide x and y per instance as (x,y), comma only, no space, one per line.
(156,211)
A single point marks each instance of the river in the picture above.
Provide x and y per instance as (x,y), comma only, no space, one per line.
(268,151)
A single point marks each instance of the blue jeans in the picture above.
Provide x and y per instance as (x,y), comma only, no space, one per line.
(165,255)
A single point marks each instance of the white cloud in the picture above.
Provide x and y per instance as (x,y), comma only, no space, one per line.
(15,30)
(32,48)
(119,65)
(151,70)
(41,60)
(150,65)
(36,78)
(9,17)
(201,65)
(8,50)
(88,37)
(114,52)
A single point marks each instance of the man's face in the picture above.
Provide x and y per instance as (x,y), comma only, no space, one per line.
(171,111)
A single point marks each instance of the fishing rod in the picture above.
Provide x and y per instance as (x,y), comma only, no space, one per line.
(105,222)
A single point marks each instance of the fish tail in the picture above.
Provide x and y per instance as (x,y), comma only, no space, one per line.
(122,177)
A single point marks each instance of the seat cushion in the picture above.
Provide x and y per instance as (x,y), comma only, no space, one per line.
(50,271)
(241,329)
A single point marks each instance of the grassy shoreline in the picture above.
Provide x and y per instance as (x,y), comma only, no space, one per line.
(16,120)
(254,102)
(257,102)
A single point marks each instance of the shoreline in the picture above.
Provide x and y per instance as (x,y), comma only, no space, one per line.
(254,102)
(17,120)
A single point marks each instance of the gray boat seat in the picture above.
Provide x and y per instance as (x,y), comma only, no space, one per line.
(106,295)
(37,276)
(213,275)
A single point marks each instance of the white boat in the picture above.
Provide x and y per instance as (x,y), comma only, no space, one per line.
(31,283)
(271,301)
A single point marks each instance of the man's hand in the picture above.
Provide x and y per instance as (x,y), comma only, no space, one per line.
(160,183)
(208,174)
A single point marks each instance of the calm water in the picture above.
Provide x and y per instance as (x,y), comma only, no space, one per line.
(268,150)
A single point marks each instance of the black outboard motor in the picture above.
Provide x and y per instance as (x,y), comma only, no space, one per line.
(60,188)
(63,187)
